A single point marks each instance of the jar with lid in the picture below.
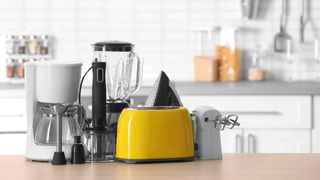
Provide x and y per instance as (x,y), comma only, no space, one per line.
(228,55)
(10,43)
(32,45)
(21,44)
(10,68)
(20,68)
(255,71)
(44,47)
(204,63)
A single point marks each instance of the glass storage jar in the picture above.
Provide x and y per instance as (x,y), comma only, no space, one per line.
(228,55)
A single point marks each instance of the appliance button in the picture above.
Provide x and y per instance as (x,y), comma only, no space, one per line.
(100,77)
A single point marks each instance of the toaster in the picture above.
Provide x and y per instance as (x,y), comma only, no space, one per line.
(154,134)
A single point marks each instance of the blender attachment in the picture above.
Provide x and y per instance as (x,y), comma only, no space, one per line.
(98,146)
(58,156)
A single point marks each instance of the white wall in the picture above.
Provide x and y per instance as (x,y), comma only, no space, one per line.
(161,29)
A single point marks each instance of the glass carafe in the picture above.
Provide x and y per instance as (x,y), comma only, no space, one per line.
(123,68)
(46,133)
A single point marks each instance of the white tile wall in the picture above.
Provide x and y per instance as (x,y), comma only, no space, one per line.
(161,29)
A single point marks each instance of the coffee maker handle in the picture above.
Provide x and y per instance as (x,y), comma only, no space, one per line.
(139,72)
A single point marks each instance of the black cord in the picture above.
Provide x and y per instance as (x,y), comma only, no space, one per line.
(79,99)
(82,83)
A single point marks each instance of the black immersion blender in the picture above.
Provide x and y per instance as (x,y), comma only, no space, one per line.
(99,108)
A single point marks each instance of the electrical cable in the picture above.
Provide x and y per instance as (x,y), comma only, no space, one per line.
(79,99)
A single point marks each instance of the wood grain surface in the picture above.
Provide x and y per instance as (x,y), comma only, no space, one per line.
(232,167)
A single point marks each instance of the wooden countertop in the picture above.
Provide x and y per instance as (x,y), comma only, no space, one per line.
(232,167)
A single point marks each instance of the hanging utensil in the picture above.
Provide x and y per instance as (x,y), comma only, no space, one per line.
(302,23)
(281,38)
(249,8)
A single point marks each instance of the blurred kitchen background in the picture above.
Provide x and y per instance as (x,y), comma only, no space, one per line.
(166,32)
(202,40)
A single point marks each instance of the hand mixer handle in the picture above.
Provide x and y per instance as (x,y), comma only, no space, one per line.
(99,95)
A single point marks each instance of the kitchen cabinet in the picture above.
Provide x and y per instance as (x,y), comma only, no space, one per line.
(13,143)
(266,141)
(316,125)
(12,115)
(13,125)
(232,141)
(276,141)
(268,124)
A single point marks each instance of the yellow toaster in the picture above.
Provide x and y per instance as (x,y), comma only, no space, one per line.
(154,134)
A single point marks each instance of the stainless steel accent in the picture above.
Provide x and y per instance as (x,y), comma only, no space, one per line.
(238,143)
(251,144)
(59,109)
(221,121)
(59,133)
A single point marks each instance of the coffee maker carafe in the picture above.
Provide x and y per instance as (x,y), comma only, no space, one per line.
(52,115)
(117,73)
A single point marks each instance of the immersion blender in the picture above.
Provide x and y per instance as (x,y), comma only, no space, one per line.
(99,104)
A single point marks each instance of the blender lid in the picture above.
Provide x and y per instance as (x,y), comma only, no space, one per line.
(120,46)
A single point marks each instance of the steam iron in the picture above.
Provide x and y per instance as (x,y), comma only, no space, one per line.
(163,93)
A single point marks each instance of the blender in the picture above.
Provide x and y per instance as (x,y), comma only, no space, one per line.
(117,73)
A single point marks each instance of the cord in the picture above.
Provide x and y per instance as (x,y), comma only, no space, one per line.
(79,99)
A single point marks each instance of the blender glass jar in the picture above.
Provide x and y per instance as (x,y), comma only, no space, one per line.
(123,68)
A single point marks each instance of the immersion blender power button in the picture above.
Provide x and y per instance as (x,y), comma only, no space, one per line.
(100,75)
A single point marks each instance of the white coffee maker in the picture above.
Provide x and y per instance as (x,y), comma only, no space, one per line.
(51,92)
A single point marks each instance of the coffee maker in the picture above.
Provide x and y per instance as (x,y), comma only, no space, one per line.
(52,115)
